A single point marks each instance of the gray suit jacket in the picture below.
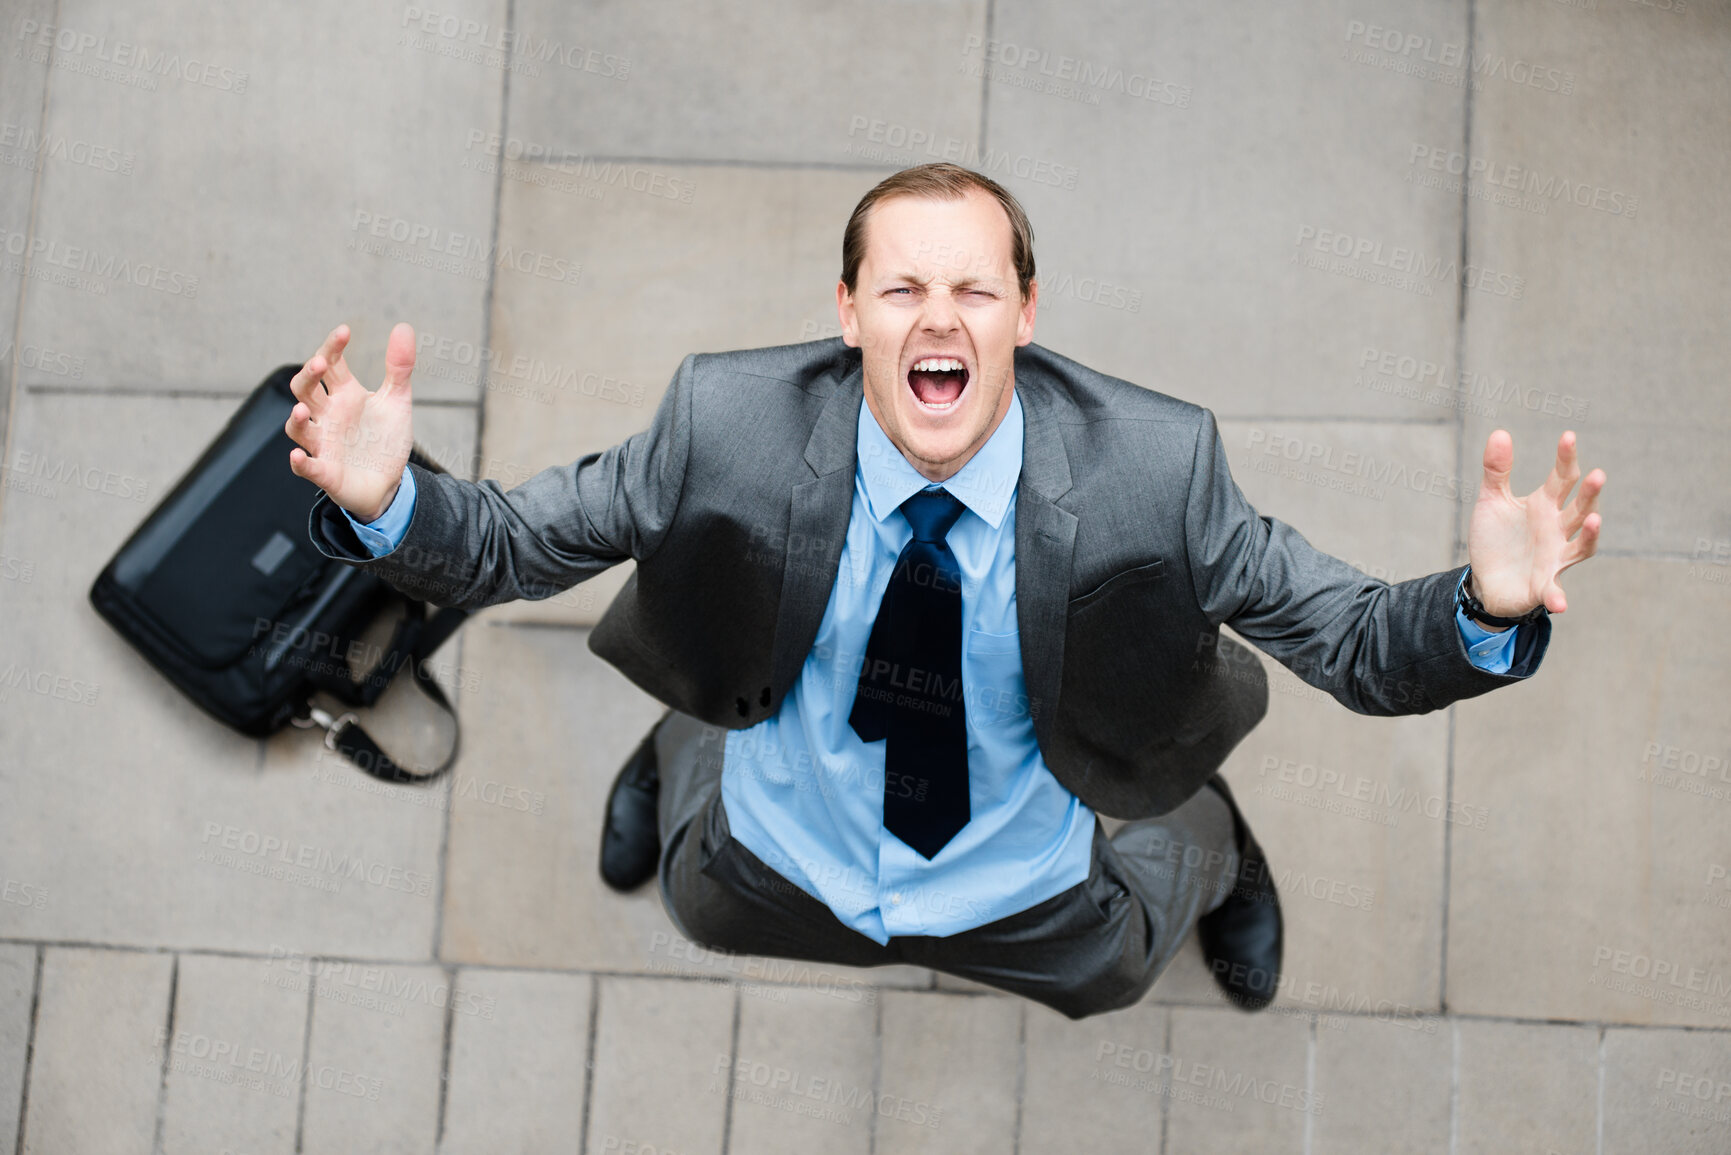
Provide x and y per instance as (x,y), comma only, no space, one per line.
(1133,544)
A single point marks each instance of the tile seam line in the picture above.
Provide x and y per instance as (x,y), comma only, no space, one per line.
(700,977)
(1458,417)
(13,409)
(41,960)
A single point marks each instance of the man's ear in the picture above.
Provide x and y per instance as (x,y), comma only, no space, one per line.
(844,312)
(1025,322)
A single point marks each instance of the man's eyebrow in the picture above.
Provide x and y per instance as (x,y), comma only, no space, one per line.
(965,281)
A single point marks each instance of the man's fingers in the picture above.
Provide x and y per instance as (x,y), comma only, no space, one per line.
(311,468)
(332,350)
(1565,471)
(301,429)
(1499,459)
(1586,501)
(1554,599)
(1585,545)
(399,357)
(305,384)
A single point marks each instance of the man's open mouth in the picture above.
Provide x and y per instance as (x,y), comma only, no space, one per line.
(938,382)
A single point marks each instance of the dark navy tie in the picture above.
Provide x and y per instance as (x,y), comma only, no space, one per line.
(910,687)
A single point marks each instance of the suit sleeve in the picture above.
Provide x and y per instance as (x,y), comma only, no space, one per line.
(1378,648)
(475,544)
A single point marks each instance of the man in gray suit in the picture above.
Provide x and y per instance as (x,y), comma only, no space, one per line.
(925,602)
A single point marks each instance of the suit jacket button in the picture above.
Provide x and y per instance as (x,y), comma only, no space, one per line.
(743,707)
(763,697)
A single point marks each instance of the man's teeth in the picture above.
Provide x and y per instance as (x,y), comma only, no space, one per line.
(937,365)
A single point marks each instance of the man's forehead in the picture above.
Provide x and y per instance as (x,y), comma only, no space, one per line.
(961,242)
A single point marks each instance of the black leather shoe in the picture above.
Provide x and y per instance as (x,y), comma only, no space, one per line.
(1242,937)
(631,837)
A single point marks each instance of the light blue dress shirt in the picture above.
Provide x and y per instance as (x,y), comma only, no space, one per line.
(805,795)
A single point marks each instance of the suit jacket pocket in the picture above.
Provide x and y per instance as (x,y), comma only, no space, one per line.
(1152,571)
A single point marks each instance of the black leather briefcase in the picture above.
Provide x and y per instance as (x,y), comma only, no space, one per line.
(222,591)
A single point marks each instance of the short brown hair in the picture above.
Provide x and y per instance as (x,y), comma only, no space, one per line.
(941,181)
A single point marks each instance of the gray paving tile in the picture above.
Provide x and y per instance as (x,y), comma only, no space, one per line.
(234,1059)
(583,370)
(1382,1087)
(374,1060)
(1238,1082)
(663,80)
(17,991)
(1183,265)
(517,1078)
(258,260)
(116,775)
(801,1077)
(23,151)
(97,1068)
(523,885)
(1351,810)
(949,1073)
(661,1057)
(1596,889)
(1666,1091)
(1526,1087)
(1612,203)
(1099,1084)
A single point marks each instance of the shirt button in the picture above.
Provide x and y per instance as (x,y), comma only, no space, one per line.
(896,896)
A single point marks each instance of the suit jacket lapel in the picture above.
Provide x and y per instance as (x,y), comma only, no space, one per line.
(1045,540)
(820,506)
(818,514)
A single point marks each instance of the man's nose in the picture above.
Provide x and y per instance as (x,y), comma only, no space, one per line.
(939,316)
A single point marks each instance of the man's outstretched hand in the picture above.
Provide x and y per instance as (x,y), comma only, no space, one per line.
(354,444)
(1518,545)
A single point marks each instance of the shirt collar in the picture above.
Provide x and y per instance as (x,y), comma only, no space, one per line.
(983,485)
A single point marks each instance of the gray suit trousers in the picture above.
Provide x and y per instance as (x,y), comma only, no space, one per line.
(1095,947)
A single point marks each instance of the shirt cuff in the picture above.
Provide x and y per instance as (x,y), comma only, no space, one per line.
(385,533)
(1490,652)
